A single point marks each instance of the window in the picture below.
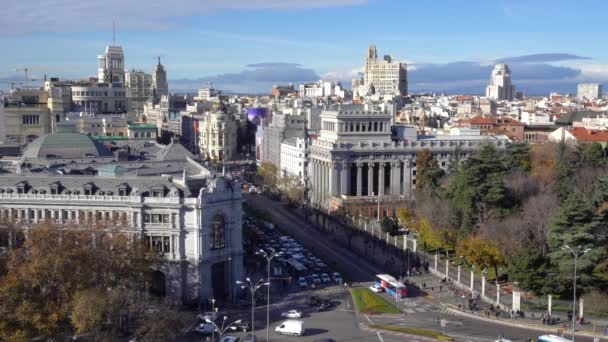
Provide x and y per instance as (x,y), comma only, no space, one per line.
(161,244)
(30,120)
(218,232)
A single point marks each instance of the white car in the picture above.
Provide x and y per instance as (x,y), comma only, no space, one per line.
(205,329)
(337,278)
(325,278)
(229,339)
(376,288)
(209,315)
(292,314)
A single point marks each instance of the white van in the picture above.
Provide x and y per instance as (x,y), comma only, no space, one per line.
(291,327)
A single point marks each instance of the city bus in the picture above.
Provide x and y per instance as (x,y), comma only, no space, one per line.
(391,285)
(552,338)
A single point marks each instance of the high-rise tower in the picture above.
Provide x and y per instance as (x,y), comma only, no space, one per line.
(160,86)
(500,87)
(387,76)
(112,65)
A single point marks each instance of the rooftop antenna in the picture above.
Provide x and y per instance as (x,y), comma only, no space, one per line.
(113,32)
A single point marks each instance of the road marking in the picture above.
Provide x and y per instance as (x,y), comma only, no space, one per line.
(368,319)
(380,336)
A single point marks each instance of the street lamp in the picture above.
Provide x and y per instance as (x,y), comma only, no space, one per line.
(268,258)
(223,328)
(575,252)
(252,287)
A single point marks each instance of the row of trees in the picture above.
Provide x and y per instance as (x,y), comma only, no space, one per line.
(282,182)
(83,281)
(516,208)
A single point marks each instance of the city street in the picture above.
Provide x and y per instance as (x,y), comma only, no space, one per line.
(422,312)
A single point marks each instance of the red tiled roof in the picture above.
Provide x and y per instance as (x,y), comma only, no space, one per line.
(583,134)
(482,120)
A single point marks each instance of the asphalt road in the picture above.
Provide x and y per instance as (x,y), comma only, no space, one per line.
(346,262)
(342,324)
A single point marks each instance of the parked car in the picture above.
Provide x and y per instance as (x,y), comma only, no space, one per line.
(291,327)
(337,278)
(324,305)
(314,300)
(315,279)
(207,316)
(376,288)
(240,326)
(302,283)
(205,329)
(325,278)
(229,338)
(292,314)
(250,338)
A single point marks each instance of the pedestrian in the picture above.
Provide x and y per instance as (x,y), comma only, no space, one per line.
(440,288)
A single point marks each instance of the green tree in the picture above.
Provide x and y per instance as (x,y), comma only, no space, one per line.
(36,295)
(482,253)
(517,157)
(268,172)
(591,155)
(390,226)
(165,325)
(572,226)
(477,192)
(90,310)
(428,171)
(530,269)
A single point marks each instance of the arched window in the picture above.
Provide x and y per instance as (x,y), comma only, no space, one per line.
(218,232)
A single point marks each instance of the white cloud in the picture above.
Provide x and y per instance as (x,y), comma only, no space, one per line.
(24,16)
(594,71)
(343,74)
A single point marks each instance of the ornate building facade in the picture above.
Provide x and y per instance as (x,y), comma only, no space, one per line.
(159,193)
(360,159)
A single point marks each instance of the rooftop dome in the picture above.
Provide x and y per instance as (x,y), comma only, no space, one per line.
(65,145)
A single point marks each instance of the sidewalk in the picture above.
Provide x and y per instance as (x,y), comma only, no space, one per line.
(455,304)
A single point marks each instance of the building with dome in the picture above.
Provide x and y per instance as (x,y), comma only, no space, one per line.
(158,192)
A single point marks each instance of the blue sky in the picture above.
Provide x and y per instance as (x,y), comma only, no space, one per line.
(247,45)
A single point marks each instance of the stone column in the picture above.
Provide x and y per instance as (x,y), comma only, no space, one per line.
(359,179)
(447,268)
(497,294)
(415,242)
(370,179)
(458,275)
(397,185)
(549,303)
(472,281)
(404,243)
(344,179)
(333,179)
(436,258)
(381,179)
(483,286)
(516,301)
(581,302)
(407,177)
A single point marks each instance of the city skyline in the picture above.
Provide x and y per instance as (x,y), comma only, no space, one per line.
(246,46)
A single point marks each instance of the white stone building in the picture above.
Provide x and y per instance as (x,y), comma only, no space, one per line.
(139,90)
(500,87)
(112,65)
(163,196)
(217,131)
(294,158)
(387,76)
(589,91)
(357,158)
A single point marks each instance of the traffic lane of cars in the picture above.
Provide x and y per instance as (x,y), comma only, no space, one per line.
(337,322)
